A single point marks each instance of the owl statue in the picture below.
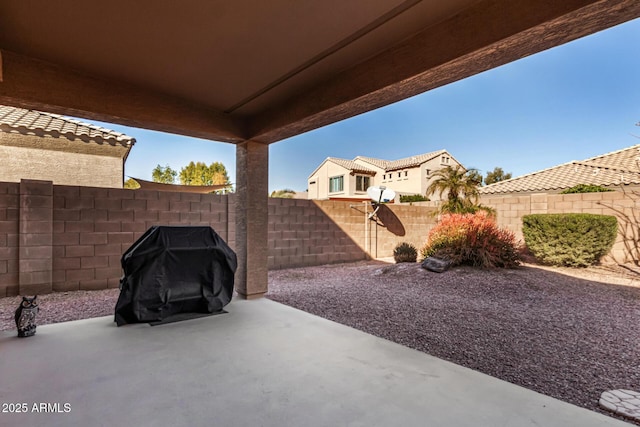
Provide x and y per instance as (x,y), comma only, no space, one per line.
(26,316)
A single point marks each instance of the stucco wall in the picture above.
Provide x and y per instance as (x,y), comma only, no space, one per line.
(64,162)
(321,188)
(416,180)
(401,184)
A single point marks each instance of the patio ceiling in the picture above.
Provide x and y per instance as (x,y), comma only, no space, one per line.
(266,70)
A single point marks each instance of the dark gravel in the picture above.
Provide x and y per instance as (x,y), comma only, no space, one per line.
(566,337)
(62,307)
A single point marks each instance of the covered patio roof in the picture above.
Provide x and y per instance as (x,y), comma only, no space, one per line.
(264,71)
(252,72)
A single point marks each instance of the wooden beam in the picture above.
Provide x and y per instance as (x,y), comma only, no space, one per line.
(489,34)
(34,84)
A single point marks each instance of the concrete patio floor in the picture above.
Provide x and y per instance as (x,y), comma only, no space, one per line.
(261,364)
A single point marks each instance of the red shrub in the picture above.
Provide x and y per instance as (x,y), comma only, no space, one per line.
(472,239)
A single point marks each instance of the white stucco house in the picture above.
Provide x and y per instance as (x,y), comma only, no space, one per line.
(343,179)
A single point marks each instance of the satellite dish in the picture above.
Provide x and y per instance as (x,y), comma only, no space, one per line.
(381,194)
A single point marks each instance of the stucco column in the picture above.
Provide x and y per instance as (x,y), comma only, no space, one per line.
(252,190)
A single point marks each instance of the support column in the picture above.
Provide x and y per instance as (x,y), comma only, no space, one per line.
(252,192)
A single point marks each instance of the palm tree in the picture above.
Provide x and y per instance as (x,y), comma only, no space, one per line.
(460,185)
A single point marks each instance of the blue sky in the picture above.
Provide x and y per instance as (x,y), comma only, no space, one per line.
(568,103)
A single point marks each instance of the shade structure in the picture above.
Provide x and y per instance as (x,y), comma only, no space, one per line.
(173,270)
(197,189)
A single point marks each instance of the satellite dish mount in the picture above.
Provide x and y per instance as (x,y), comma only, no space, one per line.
(378,196)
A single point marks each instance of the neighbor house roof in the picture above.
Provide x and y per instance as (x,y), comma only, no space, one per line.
(379,163)
(38,123)
(620,167)
(347,164)
(407,162)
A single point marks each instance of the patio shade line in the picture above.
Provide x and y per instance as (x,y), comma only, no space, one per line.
(198,189)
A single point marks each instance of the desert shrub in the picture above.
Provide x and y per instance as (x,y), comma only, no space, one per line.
(472,239)
(585,188)
(405,252)
(575,240)
(407,198)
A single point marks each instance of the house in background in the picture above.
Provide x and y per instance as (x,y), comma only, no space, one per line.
(44,146)
(612,170)
(342,179)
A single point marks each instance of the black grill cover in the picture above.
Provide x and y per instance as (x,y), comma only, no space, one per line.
(171,270)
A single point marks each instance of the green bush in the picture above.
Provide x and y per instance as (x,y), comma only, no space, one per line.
(586,188)
(575,240)
(472,239)
(407,198)
(405,252)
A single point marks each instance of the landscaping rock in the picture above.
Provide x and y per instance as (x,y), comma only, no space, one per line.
(436,264)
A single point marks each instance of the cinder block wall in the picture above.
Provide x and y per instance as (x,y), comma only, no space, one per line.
(63,238)
(624,205)
(9,211)
(314,232)
(403,223)
(92,227)
(301,233)
(60,238)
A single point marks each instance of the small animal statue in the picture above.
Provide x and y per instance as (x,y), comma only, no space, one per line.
(26,316)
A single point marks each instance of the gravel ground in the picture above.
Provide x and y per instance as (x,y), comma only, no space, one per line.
(62,307)
(567,333)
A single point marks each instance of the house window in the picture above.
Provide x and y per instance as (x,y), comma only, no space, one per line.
(336,184)
(399,174)
(428,171)
(362,182)
(406,173)
(445,160)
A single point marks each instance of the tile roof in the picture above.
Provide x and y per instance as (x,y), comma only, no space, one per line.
(351,165)
(409,162)
(382,164)
(32,122)
(620,167)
